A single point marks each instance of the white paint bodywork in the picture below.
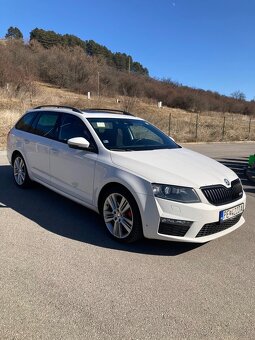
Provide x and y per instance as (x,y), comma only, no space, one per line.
(80,175)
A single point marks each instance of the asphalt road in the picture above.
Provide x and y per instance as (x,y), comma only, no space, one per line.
(61,277)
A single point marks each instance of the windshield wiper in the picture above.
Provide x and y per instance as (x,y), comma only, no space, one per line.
(134,149)
(122,149)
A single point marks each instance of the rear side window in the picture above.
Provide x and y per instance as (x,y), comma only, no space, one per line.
(46,124)
(25,122)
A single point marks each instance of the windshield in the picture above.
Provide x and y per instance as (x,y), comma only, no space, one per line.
(130,134)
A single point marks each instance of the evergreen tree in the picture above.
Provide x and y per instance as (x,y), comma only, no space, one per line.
(46,38)
(119,60)
(13,33)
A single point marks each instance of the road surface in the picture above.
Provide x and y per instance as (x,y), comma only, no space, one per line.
(61,277)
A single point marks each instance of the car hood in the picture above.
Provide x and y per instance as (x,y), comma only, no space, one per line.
(174,166)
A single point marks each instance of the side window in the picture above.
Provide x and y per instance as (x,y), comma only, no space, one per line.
(46,124)
(25,123)
(72,126)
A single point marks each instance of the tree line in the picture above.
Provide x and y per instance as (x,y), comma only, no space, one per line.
(121,61)
(48,39)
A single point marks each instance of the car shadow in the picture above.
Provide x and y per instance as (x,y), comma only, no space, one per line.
(64,217)
(238,165)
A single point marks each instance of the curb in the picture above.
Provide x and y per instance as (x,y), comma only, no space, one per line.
(229,142)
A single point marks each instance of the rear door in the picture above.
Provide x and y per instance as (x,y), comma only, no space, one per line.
(38,148)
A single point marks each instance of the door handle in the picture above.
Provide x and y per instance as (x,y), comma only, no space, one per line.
(26,141)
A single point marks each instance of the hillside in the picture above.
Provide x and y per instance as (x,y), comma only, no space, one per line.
(56,69)
(85,66)
(118,60)
(182,125)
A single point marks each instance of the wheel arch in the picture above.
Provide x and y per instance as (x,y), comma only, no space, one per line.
(108,186)
(14,154)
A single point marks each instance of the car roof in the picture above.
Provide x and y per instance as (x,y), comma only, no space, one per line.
(108,115)
(87,113)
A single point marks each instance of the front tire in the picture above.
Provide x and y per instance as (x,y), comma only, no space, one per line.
(20,173)
(121,215)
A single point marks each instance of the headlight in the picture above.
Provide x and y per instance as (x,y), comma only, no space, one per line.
(175,193)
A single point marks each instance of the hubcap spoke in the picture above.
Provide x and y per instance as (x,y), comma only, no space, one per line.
(117,229)
(127,224)
(112,201)
(108,216)
(124,205)
(19,179)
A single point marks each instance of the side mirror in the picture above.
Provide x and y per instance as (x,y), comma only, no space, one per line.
(78,143)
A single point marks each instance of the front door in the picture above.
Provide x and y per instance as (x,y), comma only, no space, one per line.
(72,170)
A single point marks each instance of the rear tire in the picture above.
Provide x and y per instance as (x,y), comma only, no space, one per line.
(121,215)
(20,174)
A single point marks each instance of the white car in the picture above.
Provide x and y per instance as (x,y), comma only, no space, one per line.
(135,176)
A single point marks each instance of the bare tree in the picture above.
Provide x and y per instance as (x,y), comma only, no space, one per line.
(238,95)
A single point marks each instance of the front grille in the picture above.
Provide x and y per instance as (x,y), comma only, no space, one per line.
(213,228)
(171,229)
(218,194)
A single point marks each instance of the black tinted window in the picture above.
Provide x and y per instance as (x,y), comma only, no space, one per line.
(72,126)
(46,124)
(25,123)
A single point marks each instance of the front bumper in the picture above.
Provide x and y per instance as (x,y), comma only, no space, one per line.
(204,216)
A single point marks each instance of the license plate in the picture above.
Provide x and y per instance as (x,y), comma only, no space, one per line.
(232,212)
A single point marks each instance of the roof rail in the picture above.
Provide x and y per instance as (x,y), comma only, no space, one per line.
(108,111)
(58,106)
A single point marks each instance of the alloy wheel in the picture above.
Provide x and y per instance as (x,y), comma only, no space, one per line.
(19,171)
(118,215)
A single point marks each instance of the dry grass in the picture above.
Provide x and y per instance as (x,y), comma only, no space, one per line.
(185,126)
(181,125)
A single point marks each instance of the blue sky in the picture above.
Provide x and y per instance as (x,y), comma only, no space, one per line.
(201,43)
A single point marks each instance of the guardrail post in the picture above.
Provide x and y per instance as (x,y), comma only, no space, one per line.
(169,123)
(196,127)
(223,128)
(249,133)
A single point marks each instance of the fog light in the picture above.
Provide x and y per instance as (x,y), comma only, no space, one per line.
(173,221)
